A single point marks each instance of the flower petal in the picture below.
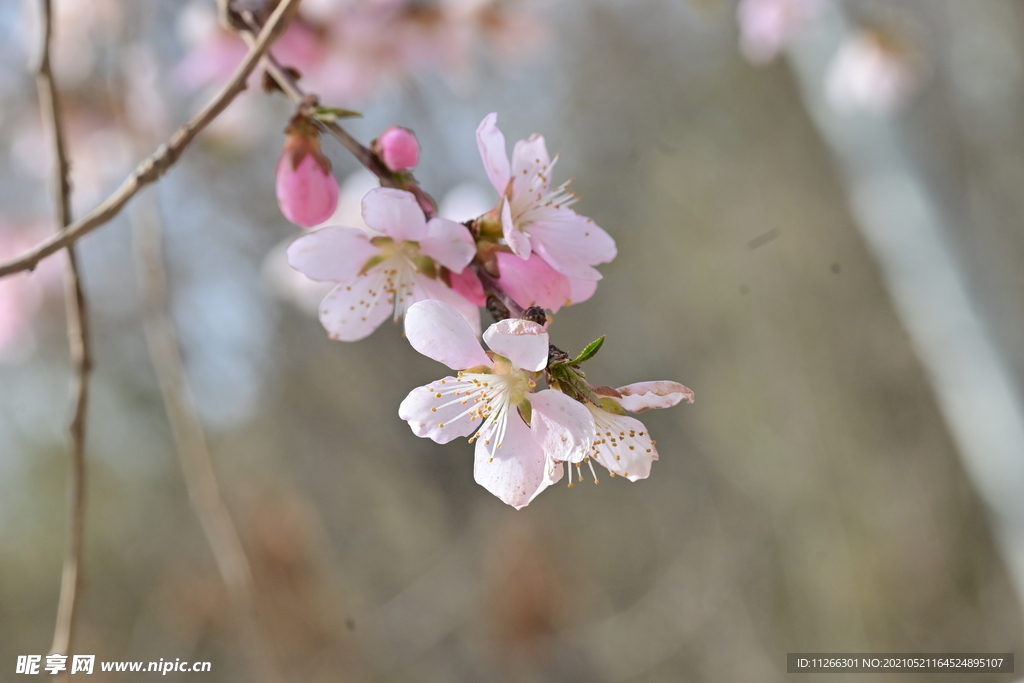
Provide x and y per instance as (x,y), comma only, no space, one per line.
(517,471)
(532,282)
(530,160)
(449,243)
(580,290)
(523,342)
(518,241)
(440,418)
(438,331)
(571,242)
(353,310)
(467,284)
(333,253)
(396,213)
(641,396)
(563,426)
(622,444)
(425,289)
(491,142)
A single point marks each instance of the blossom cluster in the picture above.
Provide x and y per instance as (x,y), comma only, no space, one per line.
(531,251)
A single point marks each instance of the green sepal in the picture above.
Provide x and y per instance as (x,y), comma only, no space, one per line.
(610,405)
(331,114)
(427,266)
(526,410)
(375,260)
(589,351)
(571,381)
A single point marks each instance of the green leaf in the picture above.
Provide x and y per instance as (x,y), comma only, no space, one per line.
(330,114)
(589,352)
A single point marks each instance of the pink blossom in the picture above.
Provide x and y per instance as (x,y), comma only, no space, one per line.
(766,26)
(398,148)
(306,191)
(872,72)
(621,443)
(382,276)
(519,432)
(535,218)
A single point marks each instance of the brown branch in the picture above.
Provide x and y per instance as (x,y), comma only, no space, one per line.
(190,441)
(363,154)
(152,168)
(78,342)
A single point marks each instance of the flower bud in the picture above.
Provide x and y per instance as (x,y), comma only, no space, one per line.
(306,191)
(398,148)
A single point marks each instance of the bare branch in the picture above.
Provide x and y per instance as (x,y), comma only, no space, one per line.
(152,168)
(190,441)
(78,342)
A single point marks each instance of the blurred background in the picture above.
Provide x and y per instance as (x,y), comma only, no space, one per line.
(814,498)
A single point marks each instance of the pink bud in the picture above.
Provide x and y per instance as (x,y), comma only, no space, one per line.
(306,192)
(468,285)
(399,148)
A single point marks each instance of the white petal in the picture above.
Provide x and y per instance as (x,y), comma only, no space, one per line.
(396,213)
(529,160)
(517,471)
(518,241)
(523,342)
(641,396)
(426,289)
(441,418)
(333,253)
(353,310)
(438,331)
(492,150)
(563,426)
(449,243)
(623,444)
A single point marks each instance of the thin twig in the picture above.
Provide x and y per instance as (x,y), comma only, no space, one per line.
(153,167)
(78,341)
(190,440)
(363,154)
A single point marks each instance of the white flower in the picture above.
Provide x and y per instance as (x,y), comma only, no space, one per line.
(382,276)
(534,217)
(519,433)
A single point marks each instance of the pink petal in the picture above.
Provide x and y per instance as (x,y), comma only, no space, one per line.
(440,419)
(438,331)
(396,213)
(467,285)
(424,288)
(622,444)
(306,194)
(529,160)
(517,471)
(532,282)
(333,253)
(641,396)
(572,243)
(449,243)
(563,426)
(580,289)
(518,241)
(492,150)
(523,342)
(351,312)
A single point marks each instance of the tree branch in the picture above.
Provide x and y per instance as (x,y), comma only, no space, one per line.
(152,168)
(78,342)
(190,441)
